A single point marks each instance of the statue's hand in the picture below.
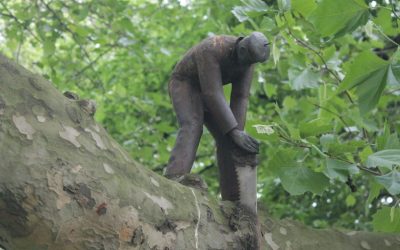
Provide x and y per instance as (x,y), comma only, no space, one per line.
(244,141)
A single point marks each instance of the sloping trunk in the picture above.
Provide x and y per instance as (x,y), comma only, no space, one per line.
(66,184)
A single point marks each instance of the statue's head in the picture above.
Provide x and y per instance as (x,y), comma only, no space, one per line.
(253,48)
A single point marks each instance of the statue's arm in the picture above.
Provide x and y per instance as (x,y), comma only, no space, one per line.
(240,95)
(212,91)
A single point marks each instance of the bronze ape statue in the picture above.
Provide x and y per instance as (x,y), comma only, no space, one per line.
(196,90)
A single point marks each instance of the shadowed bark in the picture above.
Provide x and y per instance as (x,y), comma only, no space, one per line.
(66,184)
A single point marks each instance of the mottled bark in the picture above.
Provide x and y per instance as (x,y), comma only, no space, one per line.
(66,184)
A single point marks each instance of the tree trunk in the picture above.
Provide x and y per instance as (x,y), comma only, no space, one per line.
(66,184)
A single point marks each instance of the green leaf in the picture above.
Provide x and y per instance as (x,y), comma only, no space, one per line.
(315,127)
(374,191)
(331,17)
(304,7)
(49,47)
(276,53)
(250,9)
(385,158)
(298,180)
(382,221)
(390,181)
(369,74)
(371,90)
(283,159)
(350,200)
(363,66)
(384,20)
(304,79)
(340,170)
(284,5)
(327,140)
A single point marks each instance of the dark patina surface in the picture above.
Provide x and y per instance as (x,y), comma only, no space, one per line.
(196,90)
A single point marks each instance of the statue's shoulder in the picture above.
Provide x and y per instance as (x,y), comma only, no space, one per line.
(216,43)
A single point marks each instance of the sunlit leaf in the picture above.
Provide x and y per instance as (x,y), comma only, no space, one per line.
(304,7)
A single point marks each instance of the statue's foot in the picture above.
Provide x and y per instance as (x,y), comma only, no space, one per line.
(190,180)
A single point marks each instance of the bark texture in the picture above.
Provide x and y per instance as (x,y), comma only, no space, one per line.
(66,184)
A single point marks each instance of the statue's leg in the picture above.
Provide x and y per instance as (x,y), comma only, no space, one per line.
(188,106)
(228,178)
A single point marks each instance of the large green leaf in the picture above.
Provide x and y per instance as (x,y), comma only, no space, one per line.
(303,79)
(249,9)
(384,20)
(369,74)
(298,180)
(363,66)
(385,158)
(384,222)
(331,17)
(340,170)
(390,181)
(304,7)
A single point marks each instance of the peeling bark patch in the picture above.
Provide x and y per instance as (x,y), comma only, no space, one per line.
(41,118)
(283,231)
(166,226)
(76,169)
(161,201)
(23,126)
(351,233)
(101,209)
(96,137)
(81,194)
(70,134)
(55,183)
(108,169)
(181,225)
(96,128)
(270,242)
(138,237)
(40,112)
(155,183)
(365,245)
(387,243)
(288,245)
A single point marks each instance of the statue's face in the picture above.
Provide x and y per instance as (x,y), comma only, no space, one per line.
(258,47)
(254,48)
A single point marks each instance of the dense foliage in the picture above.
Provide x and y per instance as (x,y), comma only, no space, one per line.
(325,106)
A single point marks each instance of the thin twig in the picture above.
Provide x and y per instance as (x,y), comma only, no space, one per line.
(332,112)
(304,44)
(10,14)
(385,36)
(206,168)
(394,9)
